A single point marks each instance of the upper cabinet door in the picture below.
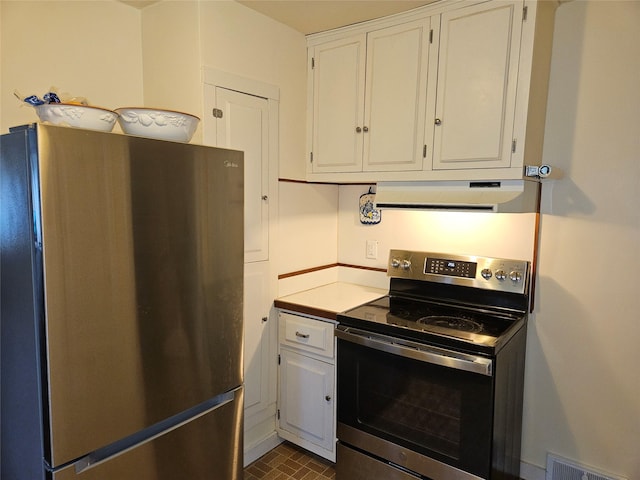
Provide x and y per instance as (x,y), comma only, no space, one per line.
(477,80)
(338,96)
(396,91)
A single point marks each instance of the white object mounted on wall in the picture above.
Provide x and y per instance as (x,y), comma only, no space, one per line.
(369,215)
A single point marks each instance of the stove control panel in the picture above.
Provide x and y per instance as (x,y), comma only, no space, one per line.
(453,268)
(478,272)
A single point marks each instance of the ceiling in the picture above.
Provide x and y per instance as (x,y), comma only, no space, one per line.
(310,16)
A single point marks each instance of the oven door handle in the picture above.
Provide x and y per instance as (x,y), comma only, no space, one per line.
(416,351)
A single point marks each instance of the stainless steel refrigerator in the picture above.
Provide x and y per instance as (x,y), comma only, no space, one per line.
(121,302)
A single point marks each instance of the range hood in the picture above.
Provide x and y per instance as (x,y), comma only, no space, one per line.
(513,196)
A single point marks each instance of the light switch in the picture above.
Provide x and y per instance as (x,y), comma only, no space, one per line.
(372,249)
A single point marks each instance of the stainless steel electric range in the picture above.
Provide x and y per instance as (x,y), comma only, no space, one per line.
(430,377)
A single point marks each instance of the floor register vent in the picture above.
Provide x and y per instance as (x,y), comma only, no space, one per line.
(559,468)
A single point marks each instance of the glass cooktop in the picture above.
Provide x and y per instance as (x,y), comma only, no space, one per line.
(432,322)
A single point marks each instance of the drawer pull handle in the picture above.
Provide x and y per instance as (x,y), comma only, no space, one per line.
(302,335)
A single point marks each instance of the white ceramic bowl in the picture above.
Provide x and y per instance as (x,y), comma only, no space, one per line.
(79,116)
(158,124)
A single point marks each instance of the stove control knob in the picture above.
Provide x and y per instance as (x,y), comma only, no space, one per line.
(486,273)
(515,276)
(395,263)
(406,264)
(500,275)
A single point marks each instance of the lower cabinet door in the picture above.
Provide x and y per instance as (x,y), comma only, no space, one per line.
(306,399)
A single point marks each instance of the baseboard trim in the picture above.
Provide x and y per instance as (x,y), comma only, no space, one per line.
(532,472)
(261,447)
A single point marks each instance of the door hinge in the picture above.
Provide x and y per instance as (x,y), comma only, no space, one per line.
(311,157)
(513,145)
(278,414)
(217,113)
(424,152)
(431,36)
(313,63)
(525,11)
(278,359)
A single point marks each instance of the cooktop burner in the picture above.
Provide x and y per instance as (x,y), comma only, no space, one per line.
(454,323)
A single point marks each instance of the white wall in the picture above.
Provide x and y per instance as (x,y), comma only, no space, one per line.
(582,383)
(86,48)
(241,41)
(308,226)
(182,37)
(171,58)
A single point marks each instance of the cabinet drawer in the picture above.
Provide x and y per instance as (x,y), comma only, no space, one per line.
(307,334)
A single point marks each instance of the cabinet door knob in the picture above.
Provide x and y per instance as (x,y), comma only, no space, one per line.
(358,129)
(438,121)
(365,129)
(328,398)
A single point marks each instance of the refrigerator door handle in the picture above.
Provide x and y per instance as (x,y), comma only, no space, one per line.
(154,431)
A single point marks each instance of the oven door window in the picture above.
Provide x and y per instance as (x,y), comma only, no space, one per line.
(437,411)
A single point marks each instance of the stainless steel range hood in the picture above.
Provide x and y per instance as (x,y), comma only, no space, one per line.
(512,196)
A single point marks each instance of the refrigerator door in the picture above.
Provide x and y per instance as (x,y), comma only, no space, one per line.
(143,258)
(187,452)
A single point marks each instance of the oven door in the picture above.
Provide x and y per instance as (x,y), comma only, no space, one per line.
(422,408)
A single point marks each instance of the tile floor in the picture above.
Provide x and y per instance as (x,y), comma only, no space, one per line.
(290,462)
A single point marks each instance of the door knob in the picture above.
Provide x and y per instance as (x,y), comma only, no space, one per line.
(328,398)
(438,121)
(358,129)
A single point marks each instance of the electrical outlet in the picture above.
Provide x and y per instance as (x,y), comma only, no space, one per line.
(372,249)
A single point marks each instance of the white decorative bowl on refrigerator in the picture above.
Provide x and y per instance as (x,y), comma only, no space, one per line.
(158,124)
(79,116)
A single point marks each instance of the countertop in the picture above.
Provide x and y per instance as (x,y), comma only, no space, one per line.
(329,300)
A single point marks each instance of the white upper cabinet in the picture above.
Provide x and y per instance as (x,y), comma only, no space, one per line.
(338,99)
(477,79)
(369,100)
(395,97)
(455,90)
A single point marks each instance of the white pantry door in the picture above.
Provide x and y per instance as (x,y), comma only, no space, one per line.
(241,124)
(244,126)
(242,115)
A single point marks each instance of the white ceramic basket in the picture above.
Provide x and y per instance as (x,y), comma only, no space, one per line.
(158,124)
(78,116)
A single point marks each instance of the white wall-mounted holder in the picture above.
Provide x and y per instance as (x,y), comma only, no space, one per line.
(369,214)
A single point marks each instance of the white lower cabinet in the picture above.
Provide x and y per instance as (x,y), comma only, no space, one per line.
(306,388)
